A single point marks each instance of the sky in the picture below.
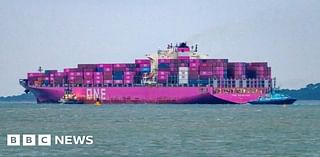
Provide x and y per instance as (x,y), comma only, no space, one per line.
(56,33)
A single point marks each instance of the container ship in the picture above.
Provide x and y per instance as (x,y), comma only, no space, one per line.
(175,75)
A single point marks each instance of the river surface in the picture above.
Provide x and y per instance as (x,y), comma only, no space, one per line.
(166,130)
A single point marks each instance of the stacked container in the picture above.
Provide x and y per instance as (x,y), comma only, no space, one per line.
(106,70)
(183,75)
(58,78)
(98,78)
(36,78)
(236,70)
(168,71)
(87,67)
(258,70)
(88,78)
(194,71)
(75,77)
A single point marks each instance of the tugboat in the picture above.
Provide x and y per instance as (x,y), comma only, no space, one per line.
(274,98)
(70,98)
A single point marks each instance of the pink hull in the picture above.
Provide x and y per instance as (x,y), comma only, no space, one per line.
(142,95)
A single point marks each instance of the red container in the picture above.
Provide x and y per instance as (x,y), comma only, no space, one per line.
(119,68)
(87,66)
(107,77)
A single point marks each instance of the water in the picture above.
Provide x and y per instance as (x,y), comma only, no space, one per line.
(167,130)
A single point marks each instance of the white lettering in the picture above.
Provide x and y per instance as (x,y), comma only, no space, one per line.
(28,140)
(59,140)
(96,93)
(68,139)
(89,94)
(103,94)
(13,140)
(89,140)
(79,139)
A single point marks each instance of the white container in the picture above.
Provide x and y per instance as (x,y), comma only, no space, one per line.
(183,81)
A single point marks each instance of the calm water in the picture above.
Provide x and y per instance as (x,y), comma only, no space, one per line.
(167,130)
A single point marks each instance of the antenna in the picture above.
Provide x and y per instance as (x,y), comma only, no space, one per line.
(40,69)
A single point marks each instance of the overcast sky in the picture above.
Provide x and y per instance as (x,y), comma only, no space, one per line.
(58,33)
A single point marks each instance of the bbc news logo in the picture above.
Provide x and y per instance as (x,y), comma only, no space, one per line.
(46,140)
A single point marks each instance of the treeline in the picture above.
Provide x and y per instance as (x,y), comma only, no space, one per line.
(310,92)
(21,97)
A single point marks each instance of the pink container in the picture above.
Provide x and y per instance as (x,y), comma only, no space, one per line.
(206,73)
(97,74)
(162,77)
(128,77)
(194,60)
(146,65)
(129,73)
(184,57)
(128,81)
(98,78)
(61,74)
(163,73)
(66,70)
(142,61)
(117,81)
(108,81)
(209,68)
(88,74)
(186,49)
(98,81)
(164,60)
(71,78)
(71,74)
(88,81)
(194,64)
(105,66)
(107,69)
(35,74)
(79,74)
(119,65)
